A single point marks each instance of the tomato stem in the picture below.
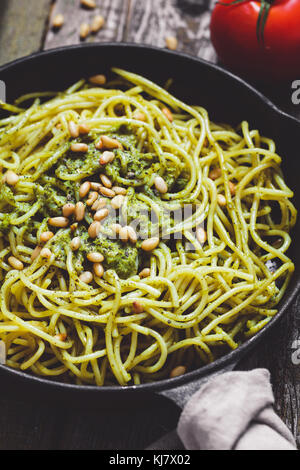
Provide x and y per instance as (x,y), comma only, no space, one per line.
(265,6)
(262,19)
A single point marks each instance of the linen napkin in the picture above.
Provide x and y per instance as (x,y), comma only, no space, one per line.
(234,411)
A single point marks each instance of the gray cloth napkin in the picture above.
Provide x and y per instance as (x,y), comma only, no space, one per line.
(234,411)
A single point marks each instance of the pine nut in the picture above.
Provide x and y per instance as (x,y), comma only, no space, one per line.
(58,221)
(137,307)
(61,336)
(101,214)
(95,257)
(116,228)
(98,269)
(106,181)
(118,190)
(15,263)
(92,198)
(68,209)
(79,211)
(94,229)
(177,371)
(110,143)
(106,157)
(117,201)
(75,243)
(84,30)
(46,253)
(73,129)
(145,273)
(171,43)
(84,189)
(79,147)
(36,252)
(160,184)
(58,21)
(99,204)
(86,277)
(150,244)
(46,236)
(98,79)
(88,4)
(139,115)
(231,188)
(201,235)
(99,144)
(11,178)
(123,234)
(97,23)
(83,128)
(107,192)
(215,173)
(95,186)
(168,114)
(132,234)
(221,199)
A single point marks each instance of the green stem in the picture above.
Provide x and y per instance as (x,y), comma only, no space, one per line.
(265,6)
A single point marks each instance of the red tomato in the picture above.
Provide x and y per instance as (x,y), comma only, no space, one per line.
(234,36)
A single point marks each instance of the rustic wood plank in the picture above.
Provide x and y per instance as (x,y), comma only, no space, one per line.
(26,425)
(115,429)
(141,22)
(114,12)
(22,27)
(151,22)
(35,424)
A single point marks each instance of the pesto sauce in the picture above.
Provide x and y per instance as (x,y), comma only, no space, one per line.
(60,184)
(122,258)
(5,224)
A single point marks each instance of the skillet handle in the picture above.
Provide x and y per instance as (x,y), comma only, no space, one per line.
(180,396)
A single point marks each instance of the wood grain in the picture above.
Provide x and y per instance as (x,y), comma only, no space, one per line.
(151,22)
(114,12)
(22,27)
(33,420)
(148,22)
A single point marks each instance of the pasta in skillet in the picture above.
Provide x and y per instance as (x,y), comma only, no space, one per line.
(138,239)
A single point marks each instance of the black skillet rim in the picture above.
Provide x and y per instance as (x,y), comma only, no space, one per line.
(221,363)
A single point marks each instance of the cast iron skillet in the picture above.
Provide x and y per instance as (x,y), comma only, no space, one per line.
(228,99)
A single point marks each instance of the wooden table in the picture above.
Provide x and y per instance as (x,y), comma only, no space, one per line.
(24,424)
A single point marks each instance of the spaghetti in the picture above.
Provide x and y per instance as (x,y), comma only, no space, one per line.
(88,295)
